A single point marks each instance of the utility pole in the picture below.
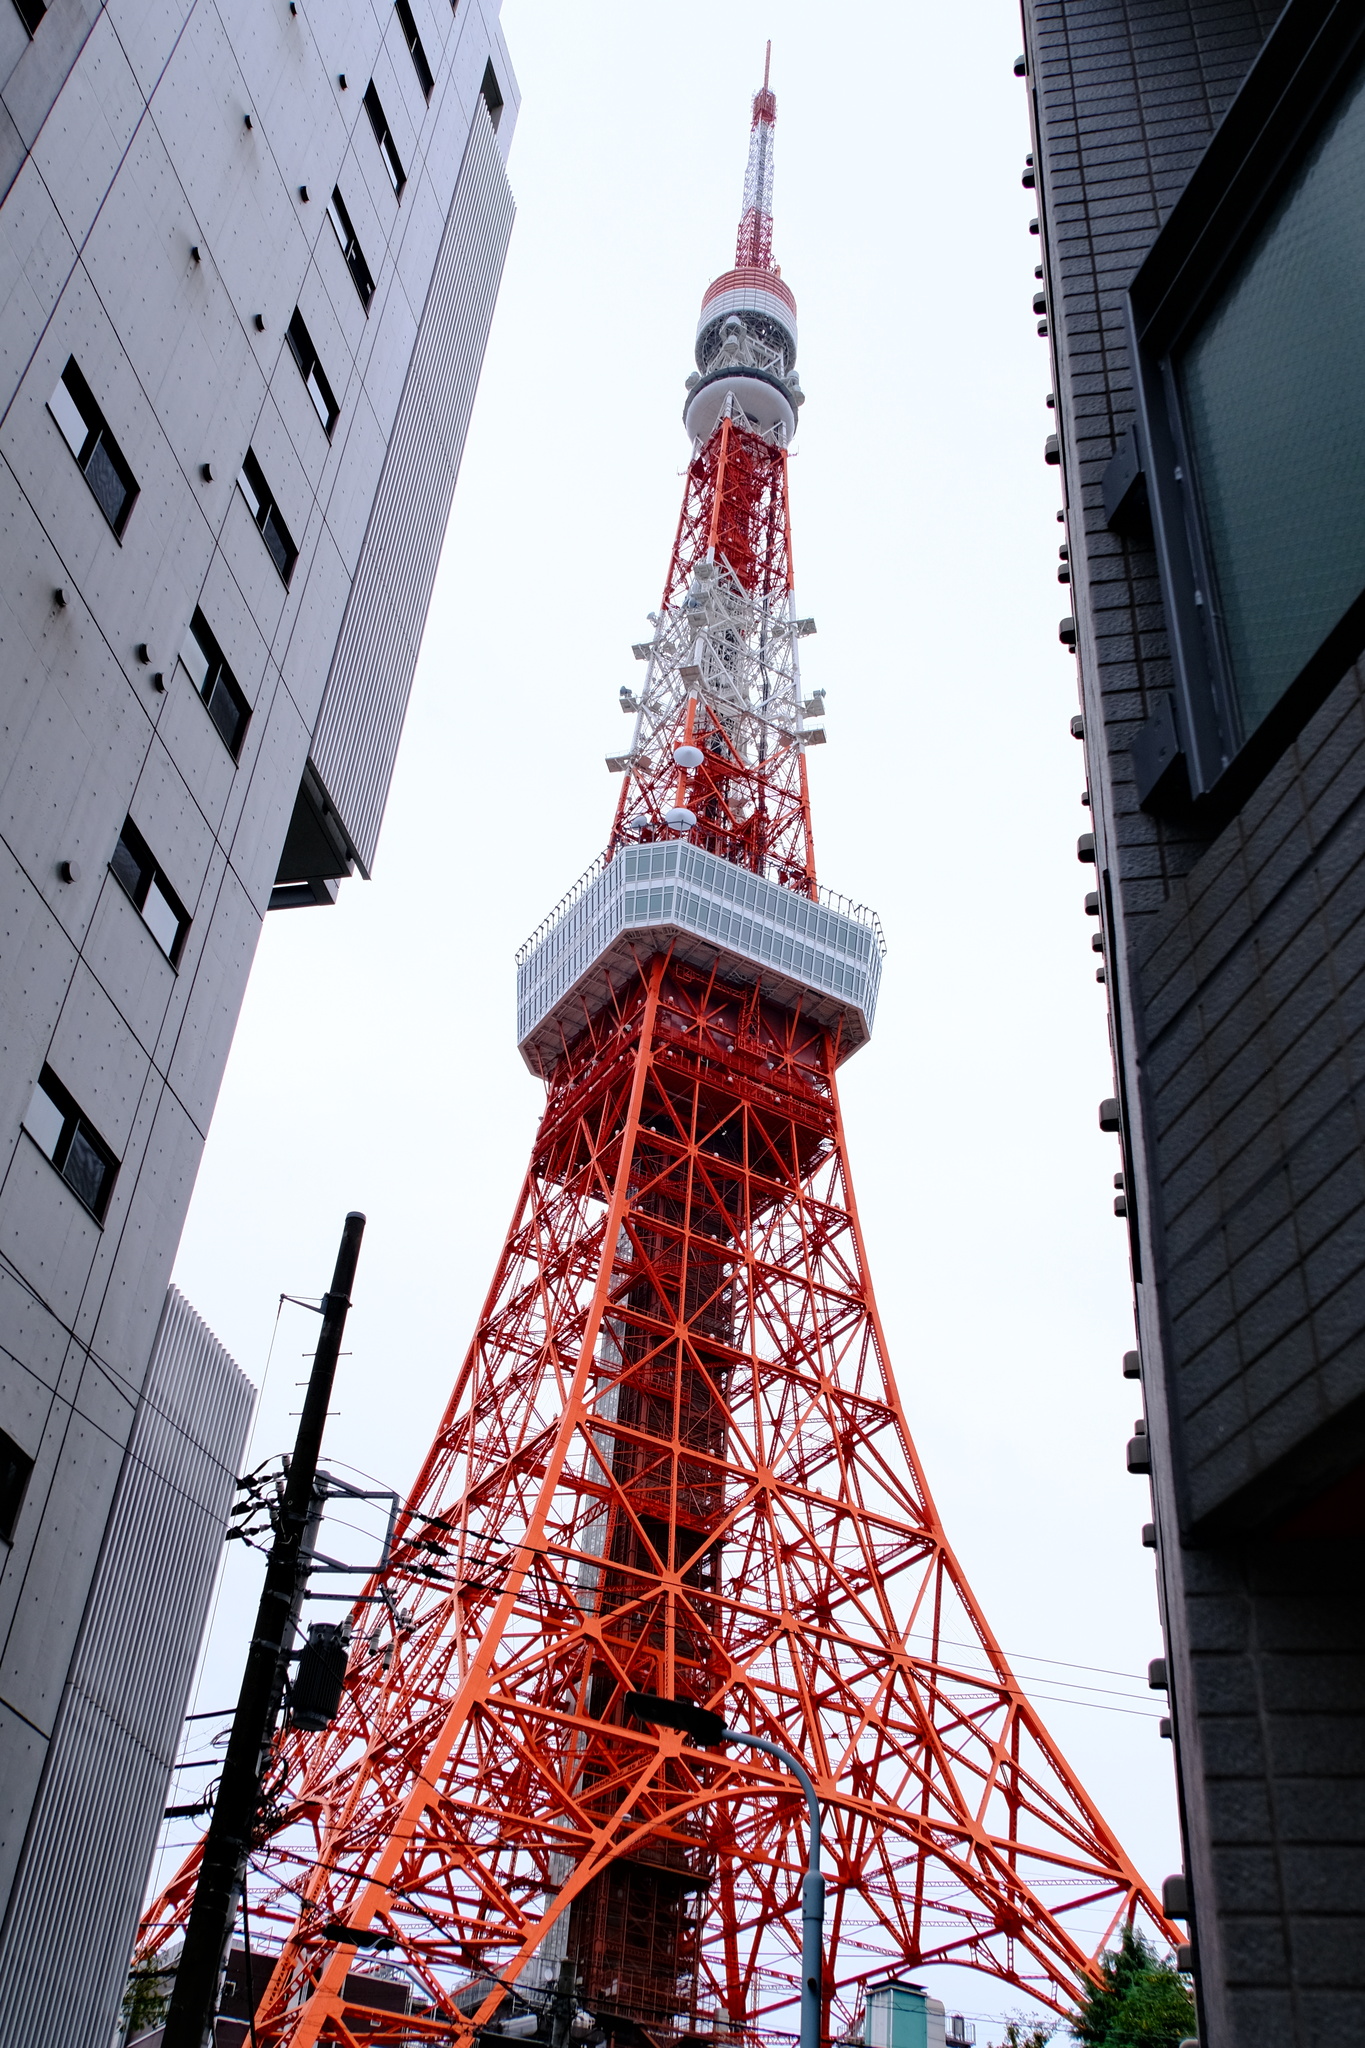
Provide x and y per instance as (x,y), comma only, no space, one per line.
(222,1869)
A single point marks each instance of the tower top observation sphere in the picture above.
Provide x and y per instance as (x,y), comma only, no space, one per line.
(746,332)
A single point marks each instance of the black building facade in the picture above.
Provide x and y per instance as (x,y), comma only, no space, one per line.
(1199,168)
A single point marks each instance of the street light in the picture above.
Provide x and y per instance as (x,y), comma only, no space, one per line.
(709,1730)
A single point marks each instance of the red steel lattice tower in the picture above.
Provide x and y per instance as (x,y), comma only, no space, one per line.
(675,1459)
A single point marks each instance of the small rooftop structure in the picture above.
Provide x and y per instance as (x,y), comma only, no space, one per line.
(898,2014)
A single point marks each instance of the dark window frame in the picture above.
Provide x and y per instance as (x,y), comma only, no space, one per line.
(1197,747)
(31,13)
(137,871)
(267,516)
(383,135)
(77,1143)
(219,691)
(16,1469)
(362,277)
(414,42)
(99,457)
(304,351)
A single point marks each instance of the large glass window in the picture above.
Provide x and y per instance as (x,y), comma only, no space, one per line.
(60,1128)
(16,1469)
(86,432)
(207,669)
(1272,390)
(383,135)
(267,515)
(414,43)
(163,913)
(350,247)
(311,370)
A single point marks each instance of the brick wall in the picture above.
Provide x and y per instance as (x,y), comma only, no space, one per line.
(1253,1003)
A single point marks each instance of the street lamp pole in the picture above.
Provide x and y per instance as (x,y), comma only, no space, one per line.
(812,1891)
(710,1730)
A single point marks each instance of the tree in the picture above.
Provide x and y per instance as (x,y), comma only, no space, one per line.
(145,2000)
(1142,2002)
(1027,2033)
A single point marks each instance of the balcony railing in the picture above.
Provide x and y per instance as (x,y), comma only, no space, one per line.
(826,945)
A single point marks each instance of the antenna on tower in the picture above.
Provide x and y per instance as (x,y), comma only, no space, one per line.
(754,243)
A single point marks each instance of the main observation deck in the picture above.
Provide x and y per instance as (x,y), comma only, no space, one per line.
(825,954)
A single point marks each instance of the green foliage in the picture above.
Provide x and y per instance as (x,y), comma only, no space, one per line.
(145,2000)
(1026,2033)
(1142,2003)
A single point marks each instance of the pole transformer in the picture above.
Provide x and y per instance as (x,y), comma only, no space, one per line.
(222,1870)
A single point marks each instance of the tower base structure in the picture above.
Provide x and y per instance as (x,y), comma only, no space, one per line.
(675,1461)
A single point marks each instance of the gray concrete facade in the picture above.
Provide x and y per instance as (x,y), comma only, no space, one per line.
(167,171)
(118,1725)
(1232,945)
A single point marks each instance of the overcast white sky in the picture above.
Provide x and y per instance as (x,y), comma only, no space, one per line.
(375,1064)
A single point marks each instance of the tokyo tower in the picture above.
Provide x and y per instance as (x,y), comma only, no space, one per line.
(674,1460)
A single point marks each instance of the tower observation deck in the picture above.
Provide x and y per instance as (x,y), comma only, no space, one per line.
(675,1459)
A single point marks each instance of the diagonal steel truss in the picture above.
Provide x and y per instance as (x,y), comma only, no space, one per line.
(724,671)
(675,1460)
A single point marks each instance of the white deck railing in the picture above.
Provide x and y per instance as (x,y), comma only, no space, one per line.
(827,944)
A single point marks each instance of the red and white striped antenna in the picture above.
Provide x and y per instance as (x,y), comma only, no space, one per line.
(754,243)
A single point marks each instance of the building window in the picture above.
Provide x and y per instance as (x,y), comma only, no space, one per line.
(202,659)
(31,13)
(388,149)
(16,1469)
(1273,407)
(311,371)
(1250,435)
(60,1130)
(162,911)
(414,43)
(266,513)
(87,435)
(350,248)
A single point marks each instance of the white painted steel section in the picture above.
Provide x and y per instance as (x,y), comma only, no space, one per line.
(827,954)
(750,290)
(735,654)
(772,412)
(355,742)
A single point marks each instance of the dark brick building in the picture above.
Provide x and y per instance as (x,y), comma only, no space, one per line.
(1200,177)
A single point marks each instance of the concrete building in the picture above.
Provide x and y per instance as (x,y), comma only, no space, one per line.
(93,1824)
(248,263)
(1199,170)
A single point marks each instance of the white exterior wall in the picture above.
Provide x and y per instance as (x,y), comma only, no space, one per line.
(123,144)
(118,1726)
